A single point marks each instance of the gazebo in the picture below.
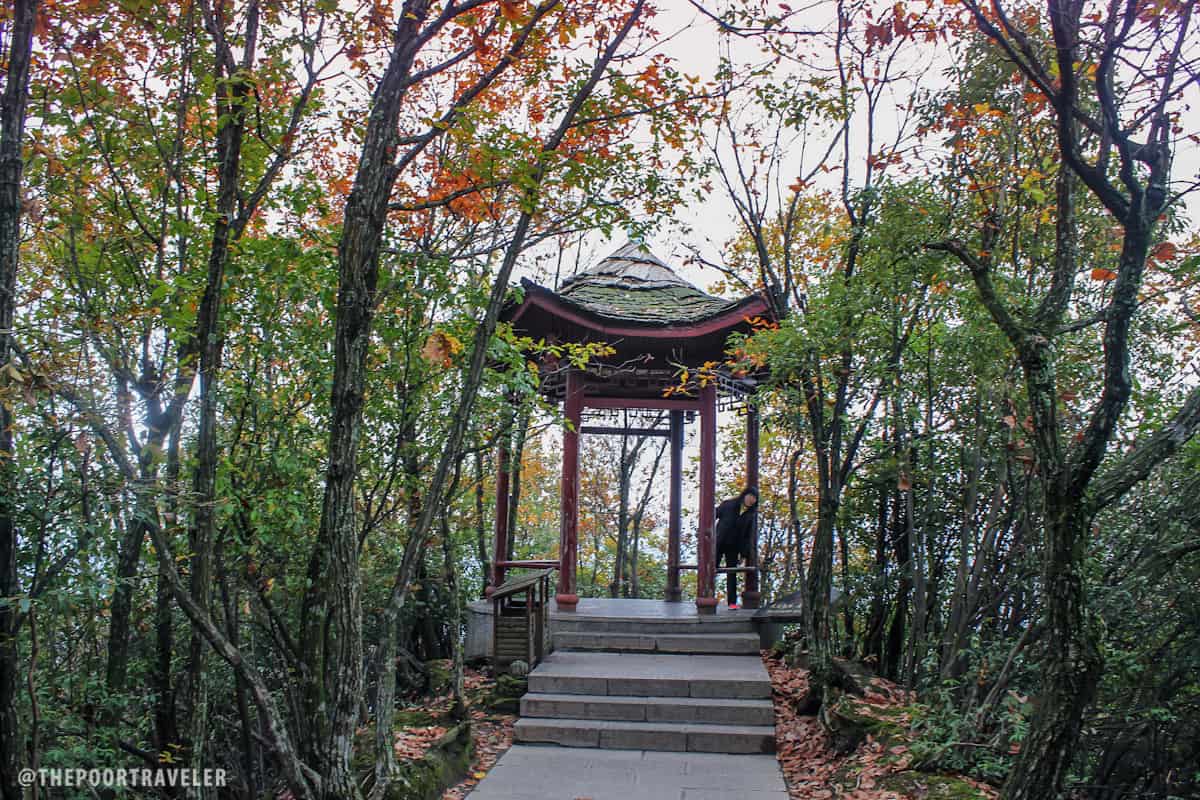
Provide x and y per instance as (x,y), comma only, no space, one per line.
(657,323)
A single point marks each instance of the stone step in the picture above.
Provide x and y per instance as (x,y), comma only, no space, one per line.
(626,735)
(651,675)
(700,710)
(728,622)
(716,643)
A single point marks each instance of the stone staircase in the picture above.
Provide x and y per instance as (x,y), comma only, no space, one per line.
(687,684)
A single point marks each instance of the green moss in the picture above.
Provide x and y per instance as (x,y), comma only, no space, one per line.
(363,762)
(849,722)
(441,676)
(442,766)
(505,698)
(413,718)
(930,787)
(510,686)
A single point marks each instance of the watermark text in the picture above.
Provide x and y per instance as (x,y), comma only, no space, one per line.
(118,777)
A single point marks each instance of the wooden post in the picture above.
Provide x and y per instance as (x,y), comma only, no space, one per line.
(500,538)
(568,539)
(674,593)
(706,601)
(751,597)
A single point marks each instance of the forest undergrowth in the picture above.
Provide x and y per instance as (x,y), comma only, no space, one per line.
(868,755)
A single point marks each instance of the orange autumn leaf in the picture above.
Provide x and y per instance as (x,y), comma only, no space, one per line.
(1164,251)
(1102,274)
(440,348)
(510,10)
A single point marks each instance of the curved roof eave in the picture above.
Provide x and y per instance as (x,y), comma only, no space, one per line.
(537,296)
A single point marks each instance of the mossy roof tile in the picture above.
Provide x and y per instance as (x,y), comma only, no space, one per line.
(633,285)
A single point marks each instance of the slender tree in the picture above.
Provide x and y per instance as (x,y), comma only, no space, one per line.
(19,55)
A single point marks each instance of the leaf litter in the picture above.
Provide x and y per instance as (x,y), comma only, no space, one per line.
(491,731)
(875,770)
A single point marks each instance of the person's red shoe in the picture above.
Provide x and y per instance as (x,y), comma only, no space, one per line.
(733,606)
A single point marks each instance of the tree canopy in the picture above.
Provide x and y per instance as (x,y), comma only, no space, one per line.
(255,384)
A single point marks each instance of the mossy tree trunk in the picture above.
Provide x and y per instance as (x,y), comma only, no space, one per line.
(1072,489)
(12,132)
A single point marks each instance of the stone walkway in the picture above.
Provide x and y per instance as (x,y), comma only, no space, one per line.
(649,701)
(540,772)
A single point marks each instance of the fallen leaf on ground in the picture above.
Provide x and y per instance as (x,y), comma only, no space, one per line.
(812,769)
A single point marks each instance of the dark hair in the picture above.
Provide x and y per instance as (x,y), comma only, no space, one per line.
(748,490)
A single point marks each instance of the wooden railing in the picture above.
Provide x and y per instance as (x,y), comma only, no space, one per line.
(521,619)
(529,564)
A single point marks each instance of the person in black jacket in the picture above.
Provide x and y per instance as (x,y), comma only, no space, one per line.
(736,518)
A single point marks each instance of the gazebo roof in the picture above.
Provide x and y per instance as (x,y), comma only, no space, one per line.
(633,285)
(655,321)
(633,294)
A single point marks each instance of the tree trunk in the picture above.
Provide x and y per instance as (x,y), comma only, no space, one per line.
(619,585)
(246,741)
(331,614)
(1071,666)
(12,133)
(481,545)
(1141,156)
(916,563)
(517,456)
(146,489)
(873,640)
(474,371)
(959,609)
(304,782)
(797,526)
(166,730)
(820,584)
(429,644)
(635,584)
(450,580)
(129,556)
(892,654)
(232,92)
(847,606)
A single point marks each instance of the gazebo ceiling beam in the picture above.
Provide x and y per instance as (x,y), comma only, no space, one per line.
(605,430)
(665,403)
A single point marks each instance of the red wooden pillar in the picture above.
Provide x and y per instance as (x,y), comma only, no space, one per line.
(750,598)
(500,538)
(706,601)
(674,594)
(568,538)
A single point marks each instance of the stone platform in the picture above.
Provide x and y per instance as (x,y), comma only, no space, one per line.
(618,616)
